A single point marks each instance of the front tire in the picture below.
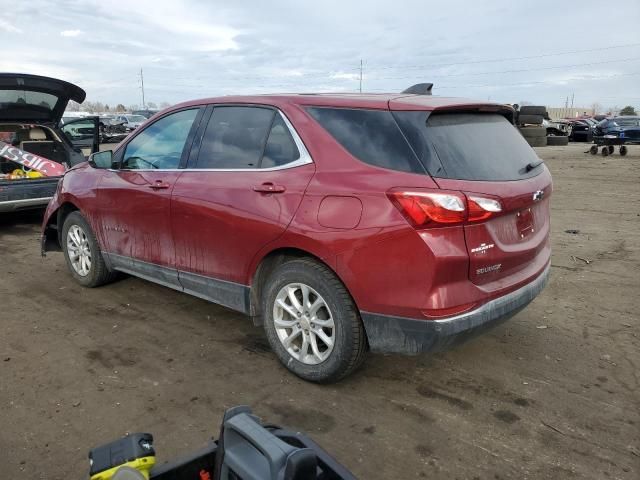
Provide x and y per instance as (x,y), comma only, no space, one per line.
(312,323)
(82,253)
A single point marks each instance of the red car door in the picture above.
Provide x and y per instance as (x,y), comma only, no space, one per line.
(244,182)
(134,200)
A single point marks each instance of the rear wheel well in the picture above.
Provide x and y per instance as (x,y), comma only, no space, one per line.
(268,264)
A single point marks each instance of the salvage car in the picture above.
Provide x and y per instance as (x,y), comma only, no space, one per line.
(31,108)
(623,127)
(581,129)
(398,223)
(145,113)
(130,122)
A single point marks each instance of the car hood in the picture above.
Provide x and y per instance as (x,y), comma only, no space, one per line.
(32,98)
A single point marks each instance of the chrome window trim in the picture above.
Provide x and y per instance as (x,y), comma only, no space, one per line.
(304,159)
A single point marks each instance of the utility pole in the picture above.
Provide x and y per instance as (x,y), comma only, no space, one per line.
(360,75)
(572,95)
(142,87)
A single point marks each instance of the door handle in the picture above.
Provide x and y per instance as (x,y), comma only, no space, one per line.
(269,187)
(159,185)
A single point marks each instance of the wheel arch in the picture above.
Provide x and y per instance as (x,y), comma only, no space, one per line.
(267,264)
(52,233)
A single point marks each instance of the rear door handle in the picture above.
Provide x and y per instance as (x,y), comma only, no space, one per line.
(159,185)
(269,187)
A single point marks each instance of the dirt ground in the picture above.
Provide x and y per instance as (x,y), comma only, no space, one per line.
(553,393)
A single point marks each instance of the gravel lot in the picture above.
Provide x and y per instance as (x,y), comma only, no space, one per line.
(553,393)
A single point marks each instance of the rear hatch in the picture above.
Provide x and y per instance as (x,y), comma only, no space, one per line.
(486,158)
(32,98)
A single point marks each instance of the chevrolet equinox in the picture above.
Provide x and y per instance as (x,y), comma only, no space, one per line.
(342,223)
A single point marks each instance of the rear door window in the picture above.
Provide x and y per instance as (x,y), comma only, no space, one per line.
(477,146)
(235,138)
(281,148)
(371,136)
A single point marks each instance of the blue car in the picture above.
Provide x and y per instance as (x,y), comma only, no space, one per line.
(626,128)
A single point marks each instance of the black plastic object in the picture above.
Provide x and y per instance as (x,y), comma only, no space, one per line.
(119,452)
(196,466)
(249,451)
(419,89)
(246,450)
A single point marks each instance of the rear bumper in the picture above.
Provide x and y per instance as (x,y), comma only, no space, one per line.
(410,336)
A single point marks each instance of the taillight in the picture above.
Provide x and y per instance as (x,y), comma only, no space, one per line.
(440,208)
(481,208)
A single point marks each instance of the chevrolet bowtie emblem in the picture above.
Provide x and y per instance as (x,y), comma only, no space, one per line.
(537,196)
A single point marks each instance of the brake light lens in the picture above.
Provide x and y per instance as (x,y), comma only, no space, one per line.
(423,208)
(481,208)
(440,208)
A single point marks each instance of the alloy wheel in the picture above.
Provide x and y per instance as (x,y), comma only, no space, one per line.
(79,250)
(304,323)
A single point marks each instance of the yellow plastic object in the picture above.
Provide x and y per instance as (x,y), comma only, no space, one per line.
(18,172)
(34,174)
(143,465)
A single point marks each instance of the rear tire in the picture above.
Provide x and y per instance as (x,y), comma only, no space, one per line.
(537,141)
(557,141)
(297,329)
(611,149)
(533,110)
(530,119)
(605,151)
(623,151)
(530,132)
(82,253)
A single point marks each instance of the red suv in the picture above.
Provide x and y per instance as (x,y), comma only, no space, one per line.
(342,223)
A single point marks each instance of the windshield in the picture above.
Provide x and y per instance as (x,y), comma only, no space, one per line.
(135,118)
(28,98)
(627,122)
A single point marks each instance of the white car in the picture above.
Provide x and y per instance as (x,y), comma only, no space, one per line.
(130,122)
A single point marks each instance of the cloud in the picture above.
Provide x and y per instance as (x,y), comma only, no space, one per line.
(7,27)
(195,48)
(345,76)
(71,33)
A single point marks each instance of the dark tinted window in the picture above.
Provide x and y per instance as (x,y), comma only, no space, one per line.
(235,137)
(479,147)
(280,148)
(160,145)
(369,135)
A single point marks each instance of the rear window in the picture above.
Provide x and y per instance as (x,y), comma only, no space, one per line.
(372,136)
(474,146)
(25,98)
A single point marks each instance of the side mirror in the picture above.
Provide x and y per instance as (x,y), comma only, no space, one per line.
(101,160)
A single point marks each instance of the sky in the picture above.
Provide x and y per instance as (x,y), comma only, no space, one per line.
(542,52)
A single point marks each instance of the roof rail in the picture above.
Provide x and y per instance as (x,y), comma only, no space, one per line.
(419,89)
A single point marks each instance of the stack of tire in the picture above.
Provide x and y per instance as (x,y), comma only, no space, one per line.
(530,118)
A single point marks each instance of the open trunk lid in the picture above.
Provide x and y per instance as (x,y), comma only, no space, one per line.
(32,98)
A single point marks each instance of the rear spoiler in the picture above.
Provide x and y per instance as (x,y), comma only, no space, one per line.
(419,89)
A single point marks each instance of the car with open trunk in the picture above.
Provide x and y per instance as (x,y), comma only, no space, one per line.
(31,109)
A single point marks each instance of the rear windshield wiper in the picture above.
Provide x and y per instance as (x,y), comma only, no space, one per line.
(533,165)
